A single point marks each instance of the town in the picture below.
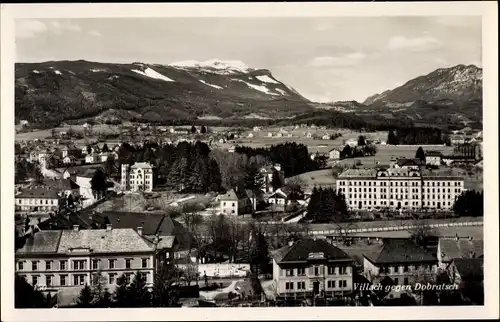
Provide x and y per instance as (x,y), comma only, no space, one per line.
(148,215)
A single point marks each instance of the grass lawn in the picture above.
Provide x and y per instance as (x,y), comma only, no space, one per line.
(322,177)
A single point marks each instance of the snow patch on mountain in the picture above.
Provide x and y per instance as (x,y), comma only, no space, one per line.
(266,79)
(282,92)
(211,85)
(260,88)
(149,72)
(214,65)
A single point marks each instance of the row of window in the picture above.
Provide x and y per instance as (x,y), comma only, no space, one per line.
(401,184)
(80,279)
(404,268)
(332,270)
(30,201)
(400,197)
(224,204)
(78,264)
(400,190)
(301,285)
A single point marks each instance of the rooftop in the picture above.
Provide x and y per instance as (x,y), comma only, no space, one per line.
(300,251)
(141,165)
(399,250)
(41,242)
(451,248)
(470,268)
(39,192)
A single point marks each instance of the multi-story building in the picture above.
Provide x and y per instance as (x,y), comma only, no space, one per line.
(39,199)
(138,177)
(450,248)
(402,260)
(433,158)
(267,172)
(403,189)
(56,259)
(239,201)
(312,267)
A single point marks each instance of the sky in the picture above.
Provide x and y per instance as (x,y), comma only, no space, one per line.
(325,59)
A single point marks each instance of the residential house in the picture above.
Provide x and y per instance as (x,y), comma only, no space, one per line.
(69,159)
(450,248)
(24,123)
(309,135)
(279,135)
(283,196)
(64,187)
(457,139)
(138,177)
(400,259)
(269,134)
(64,259)
(232,149)
(410,164)
(325,137)
(267,173)
(250,135)
(257,128)
(352,142)
(334,154)
(92,158)
(433,158)
(312,267)
(235,202)
(37,199)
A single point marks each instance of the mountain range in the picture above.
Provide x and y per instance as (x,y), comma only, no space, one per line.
(56,91)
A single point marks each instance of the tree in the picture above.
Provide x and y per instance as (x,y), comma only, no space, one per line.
(259,253)
(253,178)
(89,149)
(346,152)
(102,297)
(391,138)
(137,294)
(120,293)
(469,203)
(193,129)
(25,296)
(276,181)
(421,233)
(420,154)
(361,140)
(85,298)
(105,148)
(98,182)
(203,129)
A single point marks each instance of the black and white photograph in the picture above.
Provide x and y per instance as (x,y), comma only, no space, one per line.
(249,161)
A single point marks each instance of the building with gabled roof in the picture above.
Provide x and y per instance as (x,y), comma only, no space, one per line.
(312,267)
(137,177)
(450,248)
(37,199)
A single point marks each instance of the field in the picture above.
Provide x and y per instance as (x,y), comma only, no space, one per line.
(315,178)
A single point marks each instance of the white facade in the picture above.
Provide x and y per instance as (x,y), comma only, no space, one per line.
(334,154)
(403,189)
(138,177)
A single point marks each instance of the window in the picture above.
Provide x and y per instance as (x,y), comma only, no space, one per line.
(48,265)
(48,280)
(405,268)
(316,270)
(289,285)
(112,278)
(289,272)
(62,265)
(343,283)
(34,279)
(301,271)
(34,266)
(331,284)
(95,264)
(301,285)
(128,278)
(144,262)
(233,204)
(79,265)
(406,281)
(396,281)
(78,280)
(20,265)
(62,280)
(112,263)
(343,270)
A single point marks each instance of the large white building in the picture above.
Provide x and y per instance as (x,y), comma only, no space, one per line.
(138,177)
(398,188)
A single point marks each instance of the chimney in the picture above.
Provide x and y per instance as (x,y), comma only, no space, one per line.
(76,227)
(108,227)
(139,231)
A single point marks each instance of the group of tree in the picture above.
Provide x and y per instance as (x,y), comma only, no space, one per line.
(469,203)
(24,170)
(326,206)
(294,158)
(358,151)
(415,135)
(420,154)
(203,129)
(185,167)
(26,296)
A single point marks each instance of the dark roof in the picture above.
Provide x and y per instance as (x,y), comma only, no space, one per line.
(61,184)
(451,248)
(39,192)
(300,251)
(433,154)
(399,250)
(150,223)
(470,268)
(41,242)
(408,162)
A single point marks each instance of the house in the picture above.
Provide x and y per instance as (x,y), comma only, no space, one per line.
(309,135)
(138,177)
(24,123)
(267,173)
(257,128)
(232,149)
(433,158)
(282,196)
(37,199)
(311,267)
(64,187)
(250,135)
(222,140)
(289,135)
(325,137)
(352,142)
(400,259)
(235,202)
(334,154)
(69,159)
(410,164)
(64,259)
(92,158)
(269,134)
(279,134)
(457,139)
(450,248)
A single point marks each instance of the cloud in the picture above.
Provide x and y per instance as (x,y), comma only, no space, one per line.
(338,61)
(95,33)
(60,27)
(29,28)
(413,44)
